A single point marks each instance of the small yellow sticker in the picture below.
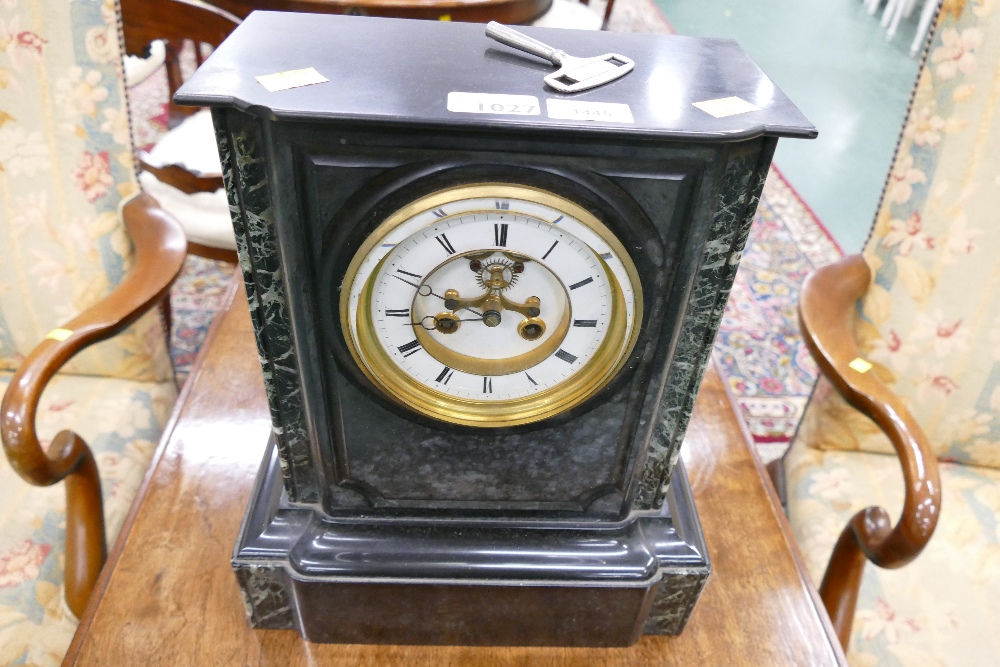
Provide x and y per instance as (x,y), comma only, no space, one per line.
(295,78)
(59,334)
(444,17)
(860,365)
(726,106)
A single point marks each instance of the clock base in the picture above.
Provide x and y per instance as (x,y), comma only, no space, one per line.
(449,581)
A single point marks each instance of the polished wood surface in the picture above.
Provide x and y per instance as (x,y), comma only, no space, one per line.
(827,316)
(168,596)
(468,11)
(159,253)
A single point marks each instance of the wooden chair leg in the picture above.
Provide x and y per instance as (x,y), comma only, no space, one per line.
(166,315)
(607,14)
(86,547)
(842,579)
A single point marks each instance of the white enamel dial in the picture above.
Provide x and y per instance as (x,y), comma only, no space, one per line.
(496,309)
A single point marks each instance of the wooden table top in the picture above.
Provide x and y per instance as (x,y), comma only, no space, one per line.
(169,597)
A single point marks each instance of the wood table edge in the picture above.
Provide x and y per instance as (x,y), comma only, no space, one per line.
(109,566)
(786,528)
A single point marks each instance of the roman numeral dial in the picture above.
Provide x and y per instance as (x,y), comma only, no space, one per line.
(491,305)
(446,244)
(500,234)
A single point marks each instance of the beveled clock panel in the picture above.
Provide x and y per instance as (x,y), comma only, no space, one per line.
(575,464)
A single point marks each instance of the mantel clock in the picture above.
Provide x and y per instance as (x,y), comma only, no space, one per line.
(483,309)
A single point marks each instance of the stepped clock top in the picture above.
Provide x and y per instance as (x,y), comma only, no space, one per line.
(403,71)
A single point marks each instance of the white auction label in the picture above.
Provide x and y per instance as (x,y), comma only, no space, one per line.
(608,112)
(295,78)
(726,106)
(508,105)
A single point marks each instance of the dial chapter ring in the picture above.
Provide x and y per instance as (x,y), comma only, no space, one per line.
(384,372)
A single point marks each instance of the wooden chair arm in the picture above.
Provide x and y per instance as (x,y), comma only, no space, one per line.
(827,314)
(185,180)
(160,249)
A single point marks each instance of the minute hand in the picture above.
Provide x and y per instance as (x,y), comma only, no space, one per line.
(433,293)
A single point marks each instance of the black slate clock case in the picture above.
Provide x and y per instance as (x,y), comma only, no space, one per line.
(579,530)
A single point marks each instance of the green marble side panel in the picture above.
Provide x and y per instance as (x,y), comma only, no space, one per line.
(742,183)
(244,172)
(266,596)
(674,600)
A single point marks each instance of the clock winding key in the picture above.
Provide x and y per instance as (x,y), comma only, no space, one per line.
(574,74)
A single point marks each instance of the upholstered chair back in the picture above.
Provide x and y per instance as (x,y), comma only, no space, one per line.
(930,322)
(66,167)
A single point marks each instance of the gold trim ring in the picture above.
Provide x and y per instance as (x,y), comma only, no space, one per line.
(389,377)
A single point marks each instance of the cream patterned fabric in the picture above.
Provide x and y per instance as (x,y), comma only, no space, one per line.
(931,320)
(65,169)
(930,323)
(121,420)
(941,609)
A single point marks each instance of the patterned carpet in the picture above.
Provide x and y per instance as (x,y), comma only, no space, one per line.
(758,350)
(194,300)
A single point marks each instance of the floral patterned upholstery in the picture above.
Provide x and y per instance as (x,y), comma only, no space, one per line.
(931,320)
(930,324)
(941,609)
(121,420)
(66,168)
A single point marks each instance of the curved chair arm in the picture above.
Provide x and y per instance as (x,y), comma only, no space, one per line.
(160,249)
(827,317)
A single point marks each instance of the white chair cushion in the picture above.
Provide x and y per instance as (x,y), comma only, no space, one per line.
(570,14)
(190,145)
(138,69)
(203,215)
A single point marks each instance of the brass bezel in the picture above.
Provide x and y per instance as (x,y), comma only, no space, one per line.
(385,374)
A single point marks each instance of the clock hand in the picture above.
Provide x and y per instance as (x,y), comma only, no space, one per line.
(431,292)
(431,317)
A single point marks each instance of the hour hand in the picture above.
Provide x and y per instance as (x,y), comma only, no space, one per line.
(493,304)
(488,302)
